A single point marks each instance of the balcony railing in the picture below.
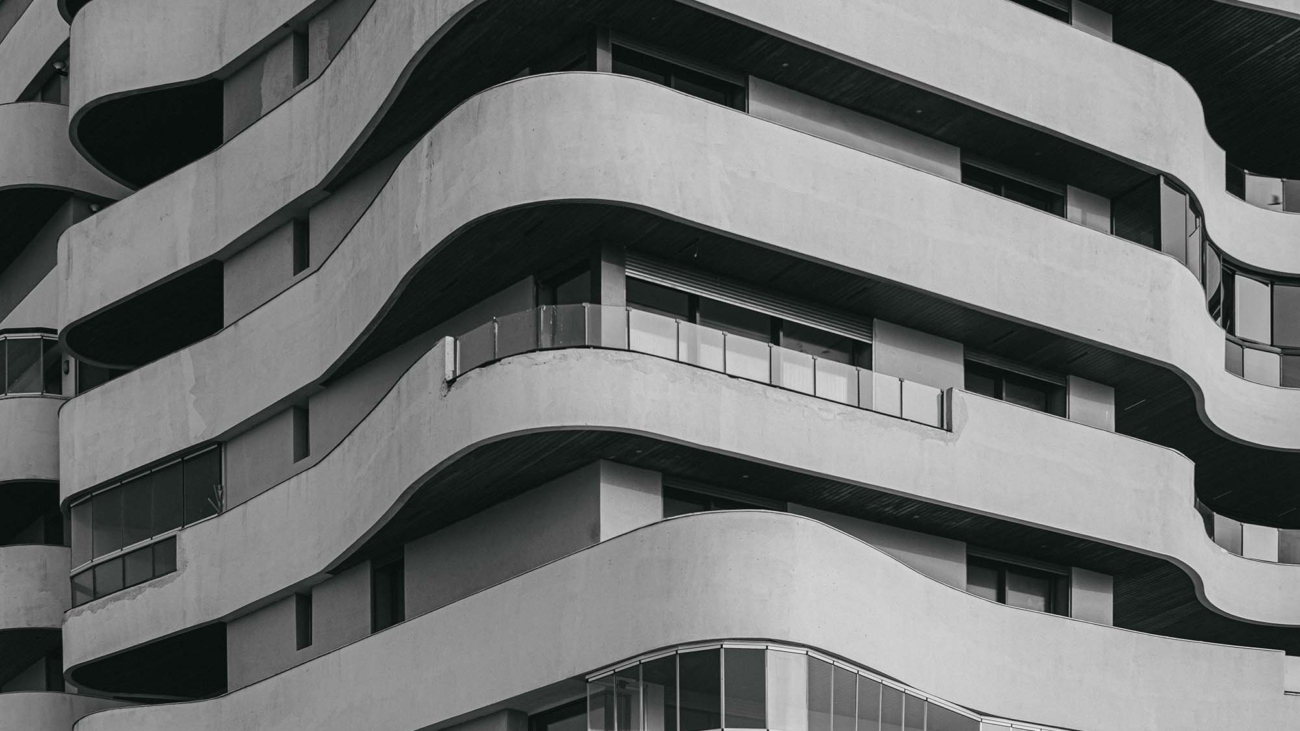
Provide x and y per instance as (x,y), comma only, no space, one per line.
(619,328)
(1274,194)
(33,364)
(1276,545)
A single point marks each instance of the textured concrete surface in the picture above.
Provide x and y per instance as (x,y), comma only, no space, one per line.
(29,438)
(28,47)
(35,152)
(314,519)
(36,591)
(755,576)
(48,711)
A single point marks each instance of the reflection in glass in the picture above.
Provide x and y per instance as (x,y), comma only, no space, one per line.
(600,704)
(913,713)
(23,373)
(137,510)
(819,695)
(202,475)
(700,677)
(109,535)
(139,566)
(659,691)
(1252,310)
(1214,284)
(83,588)
(627,699)
(939,718)
(52,359)
(653,334)
(81,533)
(1233,357)
(164,557)
(1261,366)
(891,709)
(1290,376)
(108,577)
(1173,222)
(982,581)
(168,498)
(868,704)
(787,691)
(1286,315)
(746,691)
(1029,591)
(845,700)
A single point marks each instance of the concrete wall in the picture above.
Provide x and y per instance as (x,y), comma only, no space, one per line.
(259,458)
(29,438)
(942,559)
(49,711)
(329,29)
(916,356)
(28,45)
(748,575)
(10,12)
(592,504)
(257,273)
(1091,403)
(1092,596)
(1087,209)
(36,591)
(1259,542)
(829,121)
(259,86)
(33,265)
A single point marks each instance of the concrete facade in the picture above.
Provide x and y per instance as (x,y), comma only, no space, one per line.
(477,348)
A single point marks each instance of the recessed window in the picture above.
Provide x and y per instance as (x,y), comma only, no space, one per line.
(1021,191)
(387,592)
(1058,9)
(658,299)
(302,619)
(678,501)
(1015,388)
(301,241)
(1017,586)
(735,320)
(660,71)
(568,717)
(124,571)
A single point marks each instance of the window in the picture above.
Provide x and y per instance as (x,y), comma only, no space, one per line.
(1286,315)
(89,376)
(301,69)
(302,619)
(568,717)
(301,235)
(659,299)
(678,501)
(1252,309)
(825,345)
(1059,9)
(146,505)
(1018,586)
(657,70)
(735,320)
(124,571)
(1021,191)
(700,677)
(387,592)
(301,436)
(1015,388)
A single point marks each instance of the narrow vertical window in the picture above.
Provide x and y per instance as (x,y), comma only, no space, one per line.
(300,58)
(301,245)
(700,673)
(387,592)
(746,688)
(302,619)
(301,436)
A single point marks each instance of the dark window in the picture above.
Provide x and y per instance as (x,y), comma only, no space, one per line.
(686,80)
(107,507)
(387,592)
(913,713)
(301,69)
(301,435)
(1214,284)
(164,557)
(822,344)
(23,367)
(820,688)
(54,671)
(746,691)
(89,376)
(139,566)
(1017,586)
(659,678)
(938,718)
(81,533)
(1058,9)
(301,246)
(868,704)
(571,288)
(701,690)
(1135,214)
(683,502)
(137,509)
(735,320)
(168,497)
(658,299)
(83,587)
(1286,315)
(1015,388)
(1291,371)
(1017,190)
(1233,358)
(203,491)
(52,366)
(627,699)
(568,717)
(302,619)
(108,577)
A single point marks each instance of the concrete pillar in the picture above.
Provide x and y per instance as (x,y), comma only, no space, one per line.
(609,289)
(1259,542)
(916,356)
(630,497)
(1092,596)
(1090,403)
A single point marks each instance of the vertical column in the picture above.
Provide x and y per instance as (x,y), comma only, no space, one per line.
(609,289)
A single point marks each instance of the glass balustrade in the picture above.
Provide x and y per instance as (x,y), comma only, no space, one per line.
(33,364)
(1274,194)
(1263,543)
(765,686)
(620,328)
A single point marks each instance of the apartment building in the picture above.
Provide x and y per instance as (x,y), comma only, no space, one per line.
(584,365)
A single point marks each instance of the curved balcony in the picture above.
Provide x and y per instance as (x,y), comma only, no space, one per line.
(315,520)
(40,711)
(759,576)
(1026,261)
(29,439)
(35,579)
(28,46)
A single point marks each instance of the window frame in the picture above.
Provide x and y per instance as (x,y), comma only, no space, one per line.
(1058,579)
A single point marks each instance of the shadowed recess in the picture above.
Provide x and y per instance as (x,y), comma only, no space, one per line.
(186,666)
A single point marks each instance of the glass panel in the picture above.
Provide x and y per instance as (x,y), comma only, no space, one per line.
(83,588)
(1264,192)
(660,300)
(81,533)
(23,365)
(52,368)
(631,63)
(659,690)
(109,535)
(704,87)
(981,383)
(108,577)
(1194,242)
(202,475)
(787,691)
(1214,284)
(837,382)
(749,359)
(568,326)
(887,395)
(1291,196)
(1290,371)
(137,510)
(819,343)
(700,346)
(572,717)
(682,502)
(139,566)
(476,347)
(1227,533)
(1233,357)
(922,404)
(1286,315)
(1236,180)
(982,580)
(939,718)
(600,704)
(1173,222)
(868,704)
(1025,392)
(1261,367)
(914,713)
(746,689)
(700,677)
(164,557)
(845,700)
(819,694)
(1252,312)
(653,334)
(627,699)
(735,320)
(1029,591)
(516,333)
(792,370)
(891,709)
(168,498)
(1288,546)
(1134,213)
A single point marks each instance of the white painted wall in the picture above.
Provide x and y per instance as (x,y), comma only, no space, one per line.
(942,559)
